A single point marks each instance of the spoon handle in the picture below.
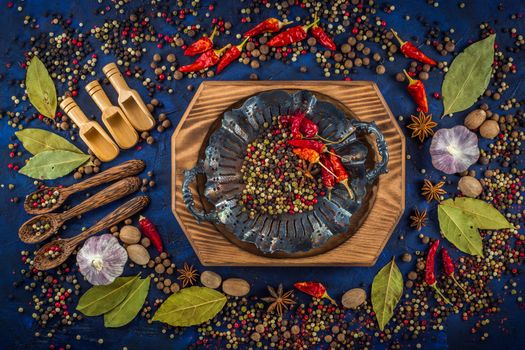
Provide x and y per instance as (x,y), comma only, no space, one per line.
(129,168)
(130,208)
(107,195)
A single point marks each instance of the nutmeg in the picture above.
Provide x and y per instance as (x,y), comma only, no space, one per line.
(470,186)
(475,118)
(236,287)
(129,234)
(138,254)
(489,129)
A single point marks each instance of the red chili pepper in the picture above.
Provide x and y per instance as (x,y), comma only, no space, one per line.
(230,55)
(340,172)
(410,51)
(296,125)
(202,45)
(291,35)
(322,37)
(270,25)
(207,59)
(416,89)
(448,266)
(430,275)
(308,128)
(317,146)
(327,177)
(315,289)
(149,230)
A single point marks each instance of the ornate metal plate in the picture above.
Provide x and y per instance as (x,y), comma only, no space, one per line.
(288,234)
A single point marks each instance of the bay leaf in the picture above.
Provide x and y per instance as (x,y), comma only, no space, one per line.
(484,215)
(468,76)
(190,306)
(459,229)
(126,311)
(40,140)
(50,165)
(100,299)
(387,288)
(41,89)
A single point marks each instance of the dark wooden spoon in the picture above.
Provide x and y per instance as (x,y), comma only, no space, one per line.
(129,168)
(56,220)
(64,247)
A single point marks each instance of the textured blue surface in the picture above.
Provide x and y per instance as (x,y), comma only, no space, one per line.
(17,329)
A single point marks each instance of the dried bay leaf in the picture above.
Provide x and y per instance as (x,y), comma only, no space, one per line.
(459,229)
(468,76)
(387,288)
(126,311)
(39,140)
(484,215)
(49,165)
(101,299)
(191,306)
(41,89)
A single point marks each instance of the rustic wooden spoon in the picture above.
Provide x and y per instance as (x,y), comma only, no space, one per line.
(65,247)
(56,220)
(129,168)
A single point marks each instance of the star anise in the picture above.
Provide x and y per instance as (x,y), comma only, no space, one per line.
(433,191)
(422,126)
(419,219)
(188,275)
(279,300)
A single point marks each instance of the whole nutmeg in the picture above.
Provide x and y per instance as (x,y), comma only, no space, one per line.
(470,186)
(138,254)
(489,129)
(475,118)
(129,234)
(236,287)
(353,298)
(211,279)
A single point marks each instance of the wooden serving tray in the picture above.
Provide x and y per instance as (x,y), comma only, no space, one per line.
(363,99)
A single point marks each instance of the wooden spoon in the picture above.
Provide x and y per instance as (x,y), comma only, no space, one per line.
(56,220)
(129,168)
(64,247)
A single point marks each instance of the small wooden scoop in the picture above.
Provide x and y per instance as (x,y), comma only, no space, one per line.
(129,100)
(113,117)
(56,220)
(65,247)
(91,132)
(129,168)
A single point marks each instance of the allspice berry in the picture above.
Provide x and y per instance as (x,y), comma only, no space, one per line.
(470,186)
(475,118)
(489,129)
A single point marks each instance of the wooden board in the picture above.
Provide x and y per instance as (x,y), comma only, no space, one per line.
(363,98)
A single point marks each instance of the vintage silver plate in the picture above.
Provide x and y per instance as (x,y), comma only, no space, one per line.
(331,222)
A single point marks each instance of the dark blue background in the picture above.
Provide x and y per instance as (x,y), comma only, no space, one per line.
(17,329)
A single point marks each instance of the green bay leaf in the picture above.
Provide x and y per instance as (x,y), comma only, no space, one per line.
(39,140)
(126,311)
(484,215)
(468,76)
(41,89)
(49,165)
(387,288)
(459,229)
(101,299)
(190,306)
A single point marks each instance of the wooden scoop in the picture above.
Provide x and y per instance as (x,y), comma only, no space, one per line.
(65,247)
(129,100)
(91,132)
(56,220)
(129,168)
(113,117)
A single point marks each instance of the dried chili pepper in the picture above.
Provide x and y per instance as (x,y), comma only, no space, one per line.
(416,89)
(295,128)
(291,35)
(309,129)
(327,175)
(341,175)
(310,156)
(322,37)
(202,45)
(230,55)
(430,275)
(315,289)
(270,25)
(149,230)
(317,146)
(448,266)
(411,51)
(207,59)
